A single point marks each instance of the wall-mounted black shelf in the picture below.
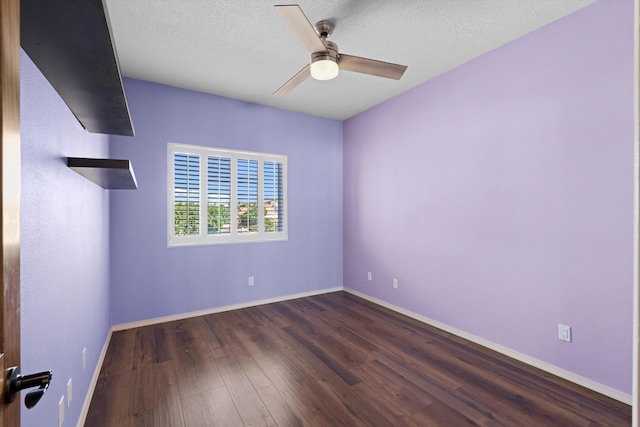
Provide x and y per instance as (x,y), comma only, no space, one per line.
(70,42)
(111,174)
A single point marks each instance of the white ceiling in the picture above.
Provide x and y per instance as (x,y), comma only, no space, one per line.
(243,49)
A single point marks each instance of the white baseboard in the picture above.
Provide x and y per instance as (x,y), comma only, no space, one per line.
(562,373)
(155,321)
(94,381)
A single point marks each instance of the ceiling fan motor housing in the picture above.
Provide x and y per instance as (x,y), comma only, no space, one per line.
(324,65)
(331,54)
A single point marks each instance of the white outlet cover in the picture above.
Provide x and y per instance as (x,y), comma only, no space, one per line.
(61,411)
(395,283)
(84,358)
(69,393)
(251,281)
(369,276)
(564,333)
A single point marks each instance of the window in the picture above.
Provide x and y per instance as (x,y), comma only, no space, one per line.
(225,196)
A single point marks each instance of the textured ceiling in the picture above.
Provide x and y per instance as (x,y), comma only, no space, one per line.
(243,49)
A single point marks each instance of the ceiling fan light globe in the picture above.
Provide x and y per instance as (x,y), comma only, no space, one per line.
(324,69)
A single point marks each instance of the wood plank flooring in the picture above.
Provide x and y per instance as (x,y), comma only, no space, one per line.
(328,360)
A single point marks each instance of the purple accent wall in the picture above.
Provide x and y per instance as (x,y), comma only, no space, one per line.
(150,280)
(64,250)
(500,194)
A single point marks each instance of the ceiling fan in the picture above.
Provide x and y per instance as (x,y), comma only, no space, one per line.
(325,60)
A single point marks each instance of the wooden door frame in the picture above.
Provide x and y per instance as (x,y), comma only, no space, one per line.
(10,198)
(635,399)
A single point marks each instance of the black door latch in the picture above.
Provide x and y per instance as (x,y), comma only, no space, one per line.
(16,382)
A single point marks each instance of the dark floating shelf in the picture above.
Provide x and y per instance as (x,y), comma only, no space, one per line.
(70,42)
(111,174)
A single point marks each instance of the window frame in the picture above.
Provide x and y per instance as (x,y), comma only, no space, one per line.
(233,237)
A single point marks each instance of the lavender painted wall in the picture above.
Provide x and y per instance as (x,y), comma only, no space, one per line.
(64,250)
(149,280)
(500,194)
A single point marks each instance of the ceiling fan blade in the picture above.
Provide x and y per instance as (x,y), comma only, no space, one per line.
(299,23)
(294,81)
(371,66)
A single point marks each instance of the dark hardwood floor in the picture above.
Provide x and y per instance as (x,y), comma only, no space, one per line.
(329,360)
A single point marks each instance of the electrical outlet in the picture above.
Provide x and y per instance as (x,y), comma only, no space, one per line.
(69,393)
(564,333)
(369,276)
(61,411)
(84,358)
(395,283)
(250,280)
